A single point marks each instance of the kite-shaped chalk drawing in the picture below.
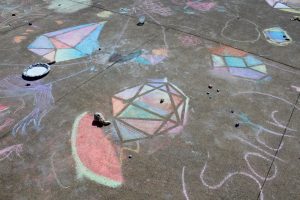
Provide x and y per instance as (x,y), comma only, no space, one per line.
(277,36)
(153,58)
(94,153)
(292,6)
(69,43)
(237,63)
(153,108)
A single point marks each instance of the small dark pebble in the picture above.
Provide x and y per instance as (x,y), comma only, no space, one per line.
(236,125)
(13,14)
(29,23)
(28,84)
(232,111)
(284,36)
(218,90)
(99,49)
(210,86)
(207,93)
(162,100)
(130,156)
(287,39)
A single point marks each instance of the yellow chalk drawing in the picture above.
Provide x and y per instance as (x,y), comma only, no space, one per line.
(105,14)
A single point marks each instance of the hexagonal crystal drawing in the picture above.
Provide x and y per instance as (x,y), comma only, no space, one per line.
(153,108)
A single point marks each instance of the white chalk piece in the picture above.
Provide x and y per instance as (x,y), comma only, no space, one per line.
(36,70)
(141,20)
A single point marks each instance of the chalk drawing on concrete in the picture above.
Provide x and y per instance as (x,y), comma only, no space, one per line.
(155,7)
(8,151)
(94,154)
(5,121)
(183,184)
(189,40)
(229,176)
(191,7)
(54,172)
(200,6)
(69,43)
(277,36)
(66,6)
(154,108)
(20,38)
(237,63)
(104,14)
(297,88)
(229,33)
(15,86)
(156,56)
(292,6)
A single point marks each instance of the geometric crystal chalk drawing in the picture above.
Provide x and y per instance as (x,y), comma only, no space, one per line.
(153,108)
(157,56)
(277,36)
(69,43)
(286,5)
(237,63)
(94,154)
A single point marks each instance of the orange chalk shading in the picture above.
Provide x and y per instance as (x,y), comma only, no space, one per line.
(19,39)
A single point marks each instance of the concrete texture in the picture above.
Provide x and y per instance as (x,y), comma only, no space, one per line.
(240,139)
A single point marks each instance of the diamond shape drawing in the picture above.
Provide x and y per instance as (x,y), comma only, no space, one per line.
(69,43)
(237,63)
(153,108)
(277,36)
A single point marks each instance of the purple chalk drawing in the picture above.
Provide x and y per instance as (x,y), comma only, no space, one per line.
(8,151)
(246,73)
(15,86)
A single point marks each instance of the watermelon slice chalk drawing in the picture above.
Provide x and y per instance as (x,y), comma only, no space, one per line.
(95,155)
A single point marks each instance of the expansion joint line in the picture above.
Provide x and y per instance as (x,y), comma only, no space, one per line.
(277,151)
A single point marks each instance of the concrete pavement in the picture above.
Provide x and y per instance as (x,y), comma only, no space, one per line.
(203,100)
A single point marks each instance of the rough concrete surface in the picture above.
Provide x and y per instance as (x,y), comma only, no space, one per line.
(203,100)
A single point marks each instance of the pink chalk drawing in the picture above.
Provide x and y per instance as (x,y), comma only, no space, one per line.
(94,153)
(153,108)
(201,6)
(156,7)
(8,151)
(189,40)
(4,110)
(6,123)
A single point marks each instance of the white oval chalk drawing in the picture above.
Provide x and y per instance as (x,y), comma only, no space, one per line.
(230,31)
